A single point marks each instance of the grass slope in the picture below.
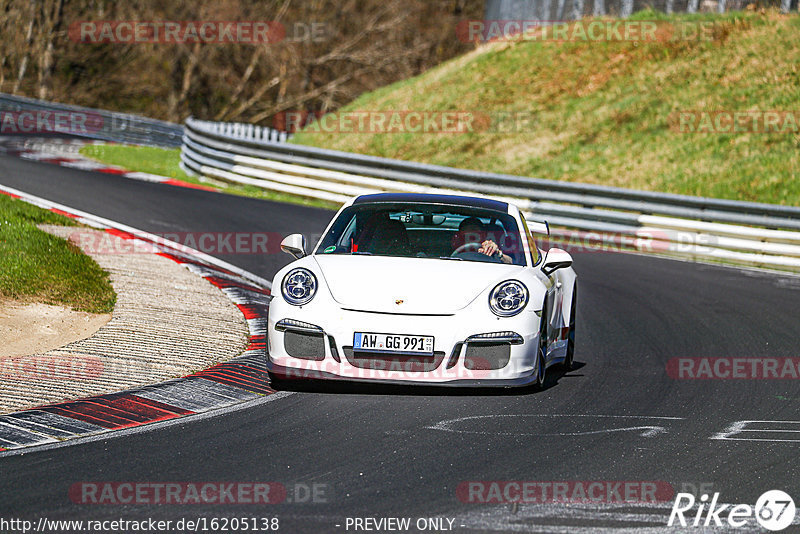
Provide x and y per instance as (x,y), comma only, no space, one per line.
(602,110)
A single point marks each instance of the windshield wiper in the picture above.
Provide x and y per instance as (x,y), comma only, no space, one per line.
(450,258)
(362,253)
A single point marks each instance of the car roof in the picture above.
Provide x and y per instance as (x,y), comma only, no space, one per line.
(453,200)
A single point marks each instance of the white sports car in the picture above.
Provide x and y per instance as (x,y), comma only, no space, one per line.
(433,289)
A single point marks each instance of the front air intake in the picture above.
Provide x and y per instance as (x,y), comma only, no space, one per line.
(487,356)
(304,345)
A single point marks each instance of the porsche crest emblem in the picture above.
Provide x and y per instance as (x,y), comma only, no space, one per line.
(399,301)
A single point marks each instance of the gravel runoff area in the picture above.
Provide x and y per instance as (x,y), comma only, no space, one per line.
(167,322)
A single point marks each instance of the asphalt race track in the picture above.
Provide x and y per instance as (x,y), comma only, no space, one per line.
(402,452)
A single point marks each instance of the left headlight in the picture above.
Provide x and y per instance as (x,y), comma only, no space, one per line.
(299,286)
(508,298)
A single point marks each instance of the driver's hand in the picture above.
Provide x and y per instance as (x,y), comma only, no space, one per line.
(489,248)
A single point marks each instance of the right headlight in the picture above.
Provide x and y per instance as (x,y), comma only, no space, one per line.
(299,286)
(508,298)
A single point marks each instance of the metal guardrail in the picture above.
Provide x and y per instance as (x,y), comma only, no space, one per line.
(91,123)
(695,227)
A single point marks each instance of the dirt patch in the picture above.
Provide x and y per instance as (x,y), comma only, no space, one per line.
(32,328)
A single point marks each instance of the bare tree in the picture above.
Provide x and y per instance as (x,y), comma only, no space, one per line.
(333,51)
(23,66)
(52,15)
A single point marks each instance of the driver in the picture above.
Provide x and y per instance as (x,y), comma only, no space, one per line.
(471,230)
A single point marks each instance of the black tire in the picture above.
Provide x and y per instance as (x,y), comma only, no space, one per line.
(569,360)
(541,364)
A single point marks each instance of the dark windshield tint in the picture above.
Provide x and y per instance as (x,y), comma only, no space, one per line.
(422,231)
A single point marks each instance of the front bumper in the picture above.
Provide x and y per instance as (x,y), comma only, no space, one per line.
(333,358)
(291,373)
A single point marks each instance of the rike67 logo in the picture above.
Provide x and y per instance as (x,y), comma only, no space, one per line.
(774,510)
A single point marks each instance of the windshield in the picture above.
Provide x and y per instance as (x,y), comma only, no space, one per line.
(425,231)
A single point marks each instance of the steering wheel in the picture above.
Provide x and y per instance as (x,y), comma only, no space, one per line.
(465,247)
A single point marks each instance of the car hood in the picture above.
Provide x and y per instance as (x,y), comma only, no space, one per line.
(422,285)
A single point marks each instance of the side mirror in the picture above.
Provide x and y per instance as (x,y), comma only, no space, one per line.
(556,259)
(295,245)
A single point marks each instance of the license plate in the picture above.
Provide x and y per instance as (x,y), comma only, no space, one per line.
(394,343)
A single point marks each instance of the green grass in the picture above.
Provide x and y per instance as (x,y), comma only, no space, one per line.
(601,110)
(160,161)
(38,267)
(165,162)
